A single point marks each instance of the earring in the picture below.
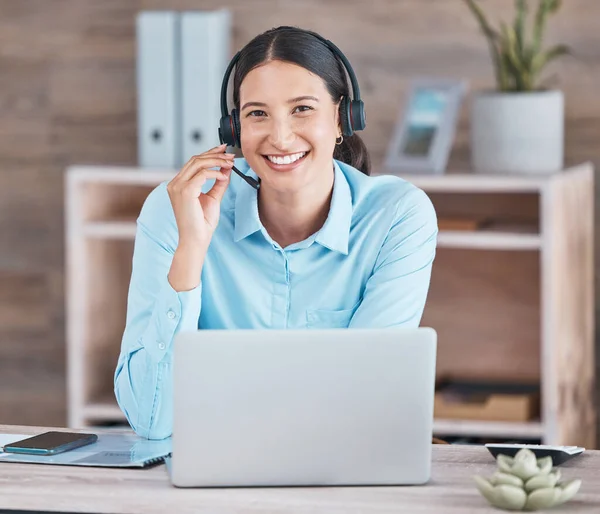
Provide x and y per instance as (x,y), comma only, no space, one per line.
(338,140)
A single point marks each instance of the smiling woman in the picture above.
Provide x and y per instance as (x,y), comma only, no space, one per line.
(317,244)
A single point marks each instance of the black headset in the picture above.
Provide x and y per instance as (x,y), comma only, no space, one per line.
(352,112)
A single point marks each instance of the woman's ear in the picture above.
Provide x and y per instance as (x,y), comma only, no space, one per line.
(338,121)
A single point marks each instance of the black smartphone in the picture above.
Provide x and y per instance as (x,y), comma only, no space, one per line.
(50,443)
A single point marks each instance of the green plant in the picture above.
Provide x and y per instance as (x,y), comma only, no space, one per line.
(518,60)
(524,482)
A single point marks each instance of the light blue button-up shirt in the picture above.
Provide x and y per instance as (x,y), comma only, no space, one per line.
(368,266)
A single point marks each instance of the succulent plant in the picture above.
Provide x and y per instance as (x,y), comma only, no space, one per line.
(519,60)
(524,482)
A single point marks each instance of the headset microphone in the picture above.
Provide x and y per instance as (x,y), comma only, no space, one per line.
(253,182)
(352,112)
(249,180)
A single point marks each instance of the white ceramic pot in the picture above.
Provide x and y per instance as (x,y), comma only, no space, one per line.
(517,132)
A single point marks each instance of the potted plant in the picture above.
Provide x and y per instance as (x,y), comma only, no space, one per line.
(519,126)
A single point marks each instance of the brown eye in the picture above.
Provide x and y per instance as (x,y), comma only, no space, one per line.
(256,113)
(303,108)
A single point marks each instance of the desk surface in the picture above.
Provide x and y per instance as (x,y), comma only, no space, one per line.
(51,488)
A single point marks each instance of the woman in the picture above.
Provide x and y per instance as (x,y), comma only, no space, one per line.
(319,245)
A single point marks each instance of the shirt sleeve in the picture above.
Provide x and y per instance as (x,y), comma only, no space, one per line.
(155,314)
(396,292)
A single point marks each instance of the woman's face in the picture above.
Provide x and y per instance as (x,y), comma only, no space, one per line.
(288,126)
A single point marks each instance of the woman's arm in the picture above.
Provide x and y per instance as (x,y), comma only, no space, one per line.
(395,293)
(174,231)
(155,313)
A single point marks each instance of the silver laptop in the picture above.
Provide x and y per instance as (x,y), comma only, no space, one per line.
(303,407)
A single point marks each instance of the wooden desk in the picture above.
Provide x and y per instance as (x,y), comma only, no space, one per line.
(51,488)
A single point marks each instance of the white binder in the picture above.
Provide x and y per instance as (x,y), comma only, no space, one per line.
(205,54)
(158,77)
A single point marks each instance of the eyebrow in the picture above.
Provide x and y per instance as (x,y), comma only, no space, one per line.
(290,101)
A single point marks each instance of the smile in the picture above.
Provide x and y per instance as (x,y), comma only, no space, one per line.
(286,159)
(287,162)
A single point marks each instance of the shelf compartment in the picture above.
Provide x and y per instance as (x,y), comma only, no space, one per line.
(106,201)
(488,220)
(485,307)
(487,400)
(108,264)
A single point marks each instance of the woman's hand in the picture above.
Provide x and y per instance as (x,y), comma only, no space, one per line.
(196,213)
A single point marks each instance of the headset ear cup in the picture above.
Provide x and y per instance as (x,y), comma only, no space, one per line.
(345,117)
(226,131)
(358,116)
(236,127)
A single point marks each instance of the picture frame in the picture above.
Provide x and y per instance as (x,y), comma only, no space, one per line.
(423,137)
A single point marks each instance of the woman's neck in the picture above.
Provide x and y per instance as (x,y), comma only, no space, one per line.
(295,216)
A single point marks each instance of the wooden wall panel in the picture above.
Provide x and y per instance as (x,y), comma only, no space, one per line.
(67,95)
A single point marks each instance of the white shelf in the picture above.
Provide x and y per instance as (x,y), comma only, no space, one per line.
(459,427)
(110,229)
(488,240)
(469,182)
(126,175)
(478,183)
(485,240)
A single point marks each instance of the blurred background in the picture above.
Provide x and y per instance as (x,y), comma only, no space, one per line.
(68,97)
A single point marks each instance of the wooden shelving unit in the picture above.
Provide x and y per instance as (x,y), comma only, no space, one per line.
(102,204)
(512,300)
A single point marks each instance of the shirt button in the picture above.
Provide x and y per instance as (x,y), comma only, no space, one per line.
(161,346)
(170,314)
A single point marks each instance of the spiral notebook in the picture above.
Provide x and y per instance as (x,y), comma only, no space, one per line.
(110,451)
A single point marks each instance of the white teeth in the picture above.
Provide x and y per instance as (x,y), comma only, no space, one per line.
(287,159)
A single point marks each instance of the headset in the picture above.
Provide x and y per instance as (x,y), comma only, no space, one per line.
(352,111)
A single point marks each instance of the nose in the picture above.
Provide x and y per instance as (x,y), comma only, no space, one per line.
(281,135)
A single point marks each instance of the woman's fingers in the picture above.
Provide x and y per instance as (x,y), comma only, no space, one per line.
(196,159)
(182,186)
(216,151)
(193,187)
(220,186)
(203,162)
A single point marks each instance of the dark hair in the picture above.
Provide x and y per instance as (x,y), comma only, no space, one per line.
(301,47)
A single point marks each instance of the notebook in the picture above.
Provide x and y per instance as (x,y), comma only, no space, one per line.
(110,451)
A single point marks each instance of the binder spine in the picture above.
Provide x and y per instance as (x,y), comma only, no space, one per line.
(205,51)
(157,77)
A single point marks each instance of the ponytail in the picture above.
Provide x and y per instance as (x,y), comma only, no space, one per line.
(353,151)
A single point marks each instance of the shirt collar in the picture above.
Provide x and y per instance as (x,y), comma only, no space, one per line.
(334,234)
